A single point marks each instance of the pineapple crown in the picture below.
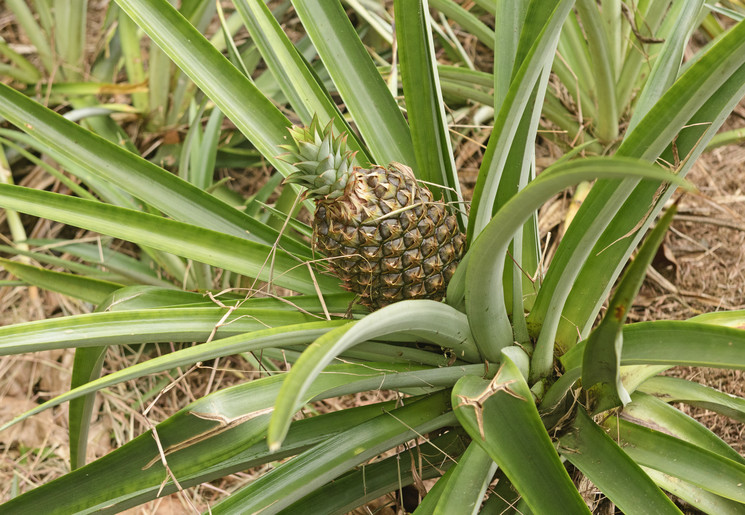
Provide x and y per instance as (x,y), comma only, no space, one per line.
(323,162)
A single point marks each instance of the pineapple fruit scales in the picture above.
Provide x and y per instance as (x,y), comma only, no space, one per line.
(385,236)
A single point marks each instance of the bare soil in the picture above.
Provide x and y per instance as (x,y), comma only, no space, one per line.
(701,269)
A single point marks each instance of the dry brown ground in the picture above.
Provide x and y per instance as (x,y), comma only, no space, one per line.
(701,270)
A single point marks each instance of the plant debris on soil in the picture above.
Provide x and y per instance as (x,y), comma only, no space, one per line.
(701,268)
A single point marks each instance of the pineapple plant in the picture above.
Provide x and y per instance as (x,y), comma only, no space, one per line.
(385,236)
(515,382)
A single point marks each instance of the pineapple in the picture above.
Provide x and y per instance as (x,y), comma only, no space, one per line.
(385,237)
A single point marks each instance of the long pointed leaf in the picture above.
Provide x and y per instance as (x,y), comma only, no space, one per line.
(144,296)
(344,494)
(671,343)
(197,449)
(86,367)
(432,321)
(511,112)
(429,503)
(735,318)
(295,478)
(508,20)
(306,95)
(139,177)
(102,255)
(705,501)
(254,341)
(466,486)
(699,101)
(680,459)
(500,415)
(233,93)
(358,81)
(603,63)
(599,458)
(203,245)
(667,62)
(140,326)
(88,289)
(673,389)
(601,375)
(469,22)
(483,269)
(648,410)
(424,105)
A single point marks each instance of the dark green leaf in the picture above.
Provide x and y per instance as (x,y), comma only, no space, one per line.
(424,105)
(358,81)
(87,289)
(601,375)
(298,477)
(599,458)
(369,482)
(680,459)
(203,245)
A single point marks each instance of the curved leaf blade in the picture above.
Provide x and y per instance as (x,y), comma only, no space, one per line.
(482,284)
(680,459)
(398,375)
(500,415)
(294,479)
(433,321)
(204,245)
(599,458)
(358,81)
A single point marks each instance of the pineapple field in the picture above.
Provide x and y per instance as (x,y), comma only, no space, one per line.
(372,256)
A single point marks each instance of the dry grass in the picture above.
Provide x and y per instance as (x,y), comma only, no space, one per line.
(701,270)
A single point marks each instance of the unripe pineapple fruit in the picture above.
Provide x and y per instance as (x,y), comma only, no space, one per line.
(385,236)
